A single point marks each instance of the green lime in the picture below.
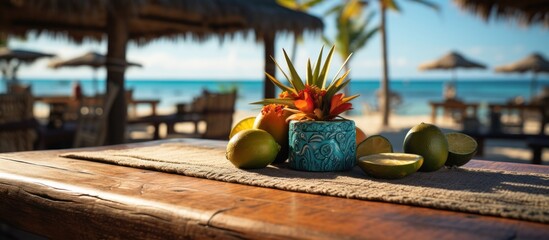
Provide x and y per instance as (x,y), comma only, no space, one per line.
(252,148)
(372,145)
(461,149)
(428,141)
(244,124)
(390,165)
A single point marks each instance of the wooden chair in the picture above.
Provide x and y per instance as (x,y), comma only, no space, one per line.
(216,110)
(17,123)
(92,121)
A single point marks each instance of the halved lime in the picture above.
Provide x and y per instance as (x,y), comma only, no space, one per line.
(461,148)
(390,165)
(244,124)
(372,145)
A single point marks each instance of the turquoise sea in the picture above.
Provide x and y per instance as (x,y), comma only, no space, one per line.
(415,93)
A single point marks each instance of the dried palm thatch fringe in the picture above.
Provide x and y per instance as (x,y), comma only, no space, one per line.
(525,12)
(198,20)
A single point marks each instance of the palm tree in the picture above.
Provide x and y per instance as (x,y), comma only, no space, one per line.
(301,6)
(353,32)
(391,5)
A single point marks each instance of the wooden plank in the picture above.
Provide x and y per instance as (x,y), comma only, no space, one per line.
(41,192)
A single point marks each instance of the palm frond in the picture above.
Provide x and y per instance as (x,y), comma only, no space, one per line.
(428,4)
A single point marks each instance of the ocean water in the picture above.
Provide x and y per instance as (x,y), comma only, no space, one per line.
(415,94)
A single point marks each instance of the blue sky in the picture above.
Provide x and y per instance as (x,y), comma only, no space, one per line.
(416,35)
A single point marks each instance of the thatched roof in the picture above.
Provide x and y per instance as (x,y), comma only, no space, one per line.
(532,63)
(26,56)
(451,60)
(150,19)
(524,11)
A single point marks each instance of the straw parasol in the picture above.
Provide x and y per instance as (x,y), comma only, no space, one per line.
(451,61)
(90,59)
(142,21)
(524,11)
(11,60)
(534,63)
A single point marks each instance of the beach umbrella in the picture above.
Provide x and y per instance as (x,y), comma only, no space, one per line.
(89,59)
(534,63)
(12,59)
(122,21)
(526,12)
(451,61)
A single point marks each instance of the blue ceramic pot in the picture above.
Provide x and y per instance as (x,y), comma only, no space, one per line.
(322,146)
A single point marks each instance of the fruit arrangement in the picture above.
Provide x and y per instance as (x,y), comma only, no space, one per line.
(311,100)
(256,142)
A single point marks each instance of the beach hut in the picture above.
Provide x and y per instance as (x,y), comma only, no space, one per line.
(89,59)
(451,61)
(143,21)
(526,12)
(11,60)
(534,63)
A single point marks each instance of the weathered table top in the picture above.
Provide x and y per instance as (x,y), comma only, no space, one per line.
(70,199)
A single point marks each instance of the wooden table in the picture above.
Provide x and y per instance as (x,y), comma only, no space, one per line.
(459,106)
(71,199)
(153,103)
(520,110)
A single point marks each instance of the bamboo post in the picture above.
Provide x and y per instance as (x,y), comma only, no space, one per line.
(117,31)
(269,88)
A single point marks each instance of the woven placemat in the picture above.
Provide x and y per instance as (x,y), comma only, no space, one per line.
(498,193)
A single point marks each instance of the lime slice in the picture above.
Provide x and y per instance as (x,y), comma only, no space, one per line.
(244,124)
(461,149)
(390,165)
(372,145)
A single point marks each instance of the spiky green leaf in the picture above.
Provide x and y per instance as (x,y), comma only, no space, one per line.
(310,77)
(318,66)
(280,68)
(283,101)
(279,84)
(348,99)
(295,80)
(338,81)
(321,81)
(342,66)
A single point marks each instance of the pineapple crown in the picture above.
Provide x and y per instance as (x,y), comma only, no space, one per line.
(312,99)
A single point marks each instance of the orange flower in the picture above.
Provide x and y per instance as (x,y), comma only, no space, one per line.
(306,104)
(339,104)
(286,94)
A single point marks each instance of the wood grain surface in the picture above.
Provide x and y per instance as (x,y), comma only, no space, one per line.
(64,198)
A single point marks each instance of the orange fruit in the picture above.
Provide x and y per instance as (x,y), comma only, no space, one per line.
(252,148)
(428,141)
(360,135)
(272,119)
(244,124)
